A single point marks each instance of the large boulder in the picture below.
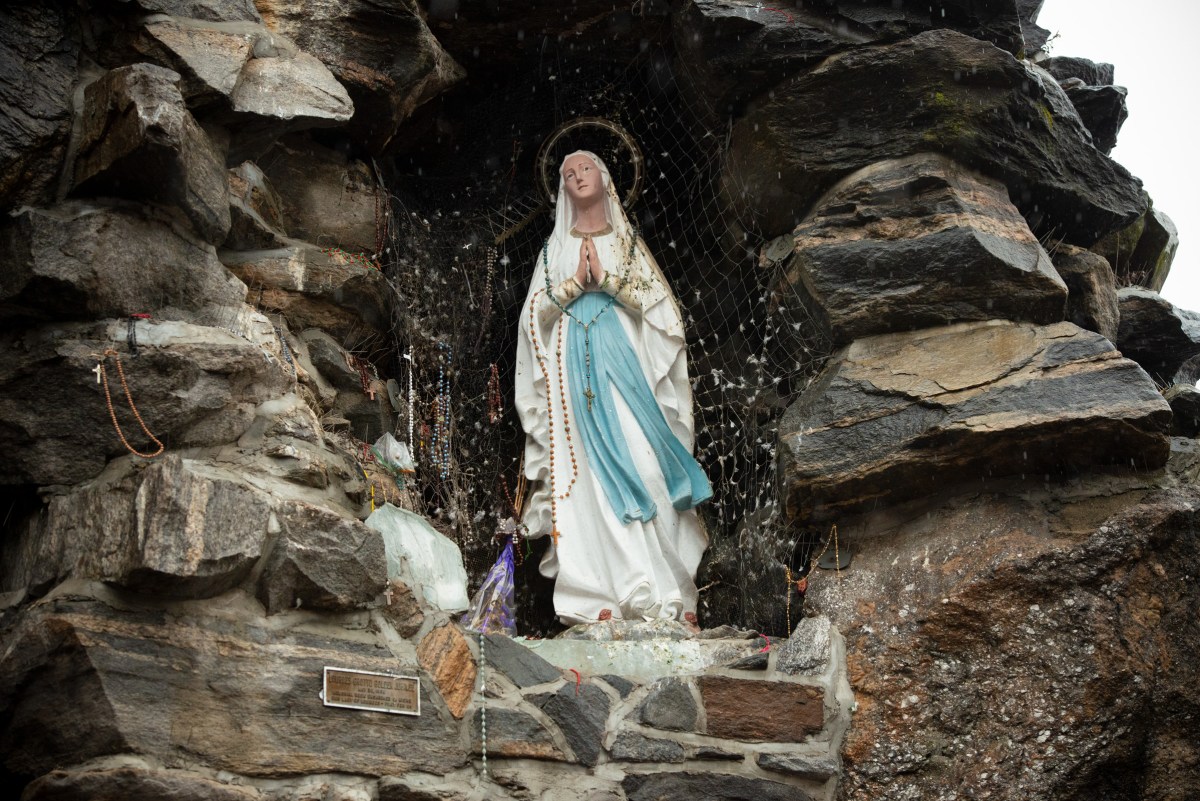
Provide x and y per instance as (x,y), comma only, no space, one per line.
(1157,334)
(901,415)
(316,288)
(1091,290)
(1155,250)
(192,385)
(179,529)
(1101,109)
(919,242)
(83,260)
(327,197)
(263,84)
(39,55)
(1141,253)
(322,559)
(136,139)
(210,10)
(218,689)
(1042,643)
(1090,73)
(939,91)
(383,52)
(256,210)
(736,51)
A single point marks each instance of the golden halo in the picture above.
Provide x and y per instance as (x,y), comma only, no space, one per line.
(547,173)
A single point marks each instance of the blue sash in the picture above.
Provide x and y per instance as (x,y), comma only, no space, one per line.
(614,365)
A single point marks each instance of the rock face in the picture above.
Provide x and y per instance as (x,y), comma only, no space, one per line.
(322,560)
(192,385)
(383,53)
(921,242)
(991,638)
(1091,290)
(177,529)
(84,260)
(246,697)
(897,416)
(1156,334)
(893,100)
(138,140)
(313,288)
(39,54)
(757,44)
(236,231)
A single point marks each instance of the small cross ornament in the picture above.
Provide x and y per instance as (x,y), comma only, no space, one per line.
(387,595)
(98,370)
(589,395)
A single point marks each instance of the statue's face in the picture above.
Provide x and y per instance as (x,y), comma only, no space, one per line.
(581,179)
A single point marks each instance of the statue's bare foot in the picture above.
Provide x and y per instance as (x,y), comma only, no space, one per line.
(693,625)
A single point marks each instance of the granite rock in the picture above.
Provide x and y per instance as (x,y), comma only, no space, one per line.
(193,385)
(325,196)
(512,734)
(902,415)
(670,705)
(806,652)
(695,786)
(321,560)
(313,288)
(446,657)
(633,747)
(1038,624)
(39,56)
(919,242)
(1089,73)
(581,713)
(210,10)
(178,529)
(1102,110)
(814,768)
(82,260)
(383,53)
(1009,121)
(1185,409)
(216,688)
(1091,290)
(137,140)
(134,784)
(1156,334)
(256,211)
(520,665)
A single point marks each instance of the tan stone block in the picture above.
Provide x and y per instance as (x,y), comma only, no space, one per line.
(446,658)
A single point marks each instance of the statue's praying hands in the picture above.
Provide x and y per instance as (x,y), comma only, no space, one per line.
(589,272)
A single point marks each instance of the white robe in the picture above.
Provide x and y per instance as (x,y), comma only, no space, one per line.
(639,570)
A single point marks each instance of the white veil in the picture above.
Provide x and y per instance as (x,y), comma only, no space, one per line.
(655,331)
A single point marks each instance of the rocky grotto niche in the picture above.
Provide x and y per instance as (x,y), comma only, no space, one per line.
(926,348)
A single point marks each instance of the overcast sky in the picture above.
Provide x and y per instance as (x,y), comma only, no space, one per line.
(1152,45)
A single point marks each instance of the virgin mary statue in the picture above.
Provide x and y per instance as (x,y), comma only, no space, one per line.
(603,394)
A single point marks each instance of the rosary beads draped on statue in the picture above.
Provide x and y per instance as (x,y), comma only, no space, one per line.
(602,392)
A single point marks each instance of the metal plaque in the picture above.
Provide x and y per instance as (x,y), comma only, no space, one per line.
(374,692)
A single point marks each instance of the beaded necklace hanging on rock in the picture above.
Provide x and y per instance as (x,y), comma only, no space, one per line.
(102,378)
(440,437)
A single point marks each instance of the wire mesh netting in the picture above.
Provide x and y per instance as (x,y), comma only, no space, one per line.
(459,250)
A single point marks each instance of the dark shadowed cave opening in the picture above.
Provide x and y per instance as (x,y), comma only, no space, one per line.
(466,177)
